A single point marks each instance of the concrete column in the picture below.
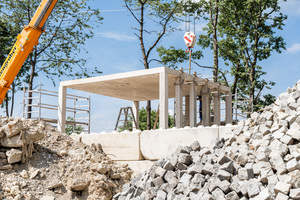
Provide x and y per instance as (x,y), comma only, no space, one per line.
(192,104)
(205,105)
(217,108)
(187,110)
(178,99)
(228,99)
(163,100)
(136,113)
(61,123)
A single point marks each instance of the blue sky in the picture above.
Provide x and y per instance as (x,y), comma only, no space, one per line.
(115,49)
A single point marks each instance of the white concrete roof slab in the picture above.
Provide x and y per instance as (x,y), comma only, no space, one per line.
(138,85)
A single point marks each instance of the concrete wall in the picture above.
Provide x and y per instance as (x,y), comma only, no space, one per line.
(118,146)
(157,144)
(154,144)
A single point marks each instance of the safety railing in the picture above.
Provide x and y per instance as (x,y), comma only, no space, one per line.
(44,101)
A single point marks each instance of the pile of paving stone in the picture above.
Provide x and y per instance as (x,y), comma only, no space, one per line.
(38,162)
(257,160)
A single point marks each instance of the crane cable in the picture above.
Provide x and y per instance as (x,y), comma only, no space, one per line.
(187,30)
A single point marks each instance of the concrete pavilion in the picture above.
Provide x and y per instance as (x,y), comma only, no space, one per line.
(157,83)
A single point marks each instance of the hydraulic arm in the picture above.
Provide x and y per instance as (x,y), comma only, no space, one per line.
(24,45)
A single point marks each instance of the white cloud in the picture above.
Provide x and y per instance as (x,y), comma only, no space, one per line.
(116,36)
(295,48)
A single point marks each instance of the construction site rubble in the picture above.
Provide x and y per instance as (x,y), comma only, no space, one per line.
(258,160)
(38,162)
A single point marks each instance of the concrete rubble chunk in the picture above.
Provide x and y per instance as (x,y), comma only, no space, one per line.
(185,158)
(282,187)
(253,188)
(281,196)
(161,195)
(160,171)
(292,165)
(265,194)
(48,198)
(245,174)
(208,169)
(232,196)
(79,185)
(14,156)
(185,179)
(195,146)
(295,193)
(258,160)
(168,166)
(158,182)
(223,175)
(13,128)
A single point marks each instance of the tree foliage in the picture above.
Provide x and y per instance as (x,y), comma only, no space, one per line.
(143,120)
(172,57)
(242,33)
(250,27)
(60,50)
(73,128)
(149,14)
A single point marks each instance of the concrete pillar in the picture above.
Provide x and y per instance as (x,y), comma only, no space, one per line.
(187,110)
(217,108)
(61,123)
(228,103)
(205,105)
(136,113)
(163,100)
(192,104)
(178,99)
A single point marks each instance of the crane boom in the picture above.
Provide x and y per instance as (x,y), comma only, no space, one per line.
(24,45)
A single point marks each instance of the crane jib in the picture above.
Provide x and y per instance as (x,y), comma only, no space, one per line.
(8,59)
(43,13)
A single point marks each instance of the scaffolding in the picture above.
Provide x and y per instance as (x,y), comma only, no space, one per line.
(79,108)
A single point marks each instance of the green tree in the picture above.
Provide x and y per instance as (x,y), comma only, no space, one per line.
(7,39)
(60,48)
(73,128)
(160,14)
(143,120)
(250,27)
(172,57)
(242,33)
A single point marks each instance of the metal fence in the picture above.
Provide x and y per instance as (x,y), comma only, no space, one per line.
(45,101)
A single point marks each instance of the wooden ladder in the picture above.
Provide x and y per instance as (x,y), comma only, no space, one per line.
(129,118)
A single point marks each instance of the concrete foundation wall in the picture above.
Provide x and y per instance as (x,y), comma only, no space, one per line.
(118,146)
(154,144)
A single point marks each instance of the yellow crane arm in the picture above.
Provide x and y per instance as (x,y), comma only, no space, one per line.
(24,45)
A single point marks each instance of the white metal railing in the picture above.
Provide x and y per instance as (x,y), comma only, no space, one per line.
(39,106)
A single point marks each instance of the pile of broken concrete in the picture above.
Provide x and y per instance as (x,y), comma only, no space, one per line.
(38,162)
(257,160)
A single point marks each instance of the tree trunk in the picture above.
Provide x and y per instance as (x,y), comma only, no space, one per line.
(6,105)
(148,115)
(12,98)
(236,79)
(214,21)
(30,87)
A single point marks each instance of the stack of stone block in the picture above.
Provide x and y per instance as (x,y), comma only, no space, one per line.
(259,160)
